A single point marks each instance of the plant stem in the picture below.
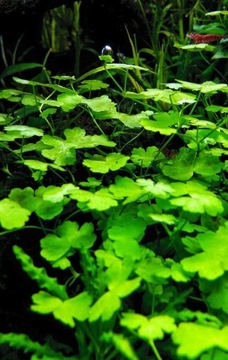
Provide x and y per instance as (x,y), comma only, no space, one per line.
(155,350)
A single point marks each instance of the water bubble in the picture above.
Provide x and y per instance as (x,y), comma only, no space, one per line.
(107,50)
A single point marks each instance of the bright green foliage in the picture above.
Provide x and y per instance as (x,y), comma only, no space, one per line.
(39,274)
(119,176)
(66,311)
(216,292)
(149,329)
(21,341)
(212,262)
(67,237)
(145,157)
(196,199)
(194,339)
(101,164)
(122,344)
(63,151)
(12,215)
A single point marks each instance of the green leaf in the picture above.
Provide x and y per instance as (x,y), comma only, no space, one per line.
(19,131)
(166,95)
(56,194)
(78,139)
(195,47)
(216,292)
(66,311)
(153,270)
(144,157)
(197,200)
(212,261)
(133,120)
(163,123)
(101,200)
(122,344)
(194,339)
(24,197)
(205,87)
(91,85)
(67,236)
(48,210)
(159,189)
(125,187)
(39,274)
(101,164)
(149,329)
(69,100)
(102,107)
(117,278)
(127,227)
(105,307)
(182,167)
(23,342)
(60,152)
(63,151)
(12,215)
(40,165)
(207,165)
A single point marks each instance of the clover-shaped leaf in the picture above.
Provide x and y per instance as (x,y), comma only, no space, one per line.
(144,157)
(103,164)
(67,237)
(197,200)
(19,131)
(125,187)
(66,311)
(24,197)
(60,152)
(194,339)
(212,261)
(101,200)
(69,100)
(181,168)
(149,329)
(12,215)
(78,139)
(102,107)
(162,123)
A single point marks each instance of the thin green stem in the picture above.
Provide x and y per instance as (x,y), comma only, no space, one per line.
(155,350)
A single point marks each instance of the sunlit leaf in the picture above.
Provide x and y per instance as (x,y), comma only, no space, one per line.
(23,131)
(105,307)
(212,261)
(67,311)
(39,274)
(144,157)
(103,164)
(127,188)
(69,101)
(149,329)
(67,236)
(196,199)
(12,215)
(101,200)
(194,339)
(102,107)
(182,166)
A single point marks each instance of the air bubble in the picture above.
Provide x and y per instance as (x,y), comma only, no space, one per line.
(107,50)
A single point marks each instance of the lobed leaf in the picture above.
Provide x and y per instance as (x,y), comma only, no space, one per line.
(194,339)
